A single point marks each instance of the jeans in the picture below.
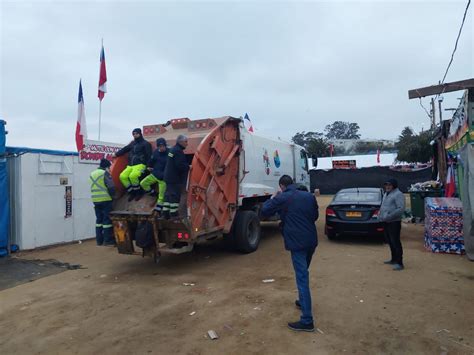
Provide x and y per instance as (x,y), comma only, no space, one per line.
(103,223)
(301,261)
(392,235)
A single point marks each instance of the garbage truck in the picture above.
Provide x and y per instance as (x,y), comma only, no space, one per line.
(232,172)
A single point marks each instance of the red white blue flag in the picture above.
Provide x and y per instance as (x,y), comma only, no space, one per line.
(81,131)
(248,123)
(450,187)
(102,76)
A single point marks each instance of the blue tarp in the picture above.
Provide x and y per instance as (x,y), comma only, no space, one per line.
(23,150)
(4,199)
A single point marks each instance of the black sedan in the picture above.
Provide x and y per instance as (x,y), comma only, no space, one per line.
(354,211)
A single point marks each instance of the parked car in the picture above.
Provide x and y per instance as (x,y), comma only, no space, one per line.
(354,211)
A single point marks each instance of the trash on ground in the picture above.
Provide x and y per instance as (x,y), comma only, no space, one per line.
(192,313)
(212,334)
(319,331)
(266,281)
(188,284)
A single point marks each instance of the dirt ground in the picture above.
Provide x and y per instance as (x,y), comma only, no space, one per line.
(125,304)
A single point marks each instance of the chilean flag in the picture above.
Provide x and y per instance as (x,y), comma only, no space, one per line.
(249,123)
(81,131)
(102,76)
(450,188)
(378,156)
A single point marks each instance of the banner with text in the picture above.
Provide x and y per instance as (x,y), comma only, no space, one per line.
(93,151)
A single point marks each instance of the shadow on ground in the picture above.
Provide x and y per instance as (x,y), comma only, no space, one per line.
(16,271)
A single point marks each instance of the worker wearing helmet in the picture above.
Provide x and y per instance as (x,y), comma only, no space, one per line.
(157,166)
(139,153)
(102,192)
(176,174)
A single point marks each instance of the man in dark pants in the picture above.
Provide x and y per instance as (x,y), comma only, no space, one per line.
(391,212)
(298,212)
(176,174)
(102,192)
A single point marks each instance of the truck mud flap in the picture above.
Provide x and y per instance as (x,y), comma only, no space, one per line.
(123,237)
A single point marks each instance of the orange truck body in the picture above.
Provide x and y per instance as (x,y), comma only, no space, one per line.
(216,198)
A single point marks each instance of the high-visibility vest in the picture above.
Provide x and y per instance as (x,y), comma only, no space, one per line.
(99,190)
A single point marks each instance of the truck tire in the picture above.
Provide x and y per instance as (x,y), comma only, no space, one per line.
(247,232)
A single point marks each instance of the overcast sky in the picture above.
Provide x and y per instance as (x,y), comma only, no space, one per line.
(292,66)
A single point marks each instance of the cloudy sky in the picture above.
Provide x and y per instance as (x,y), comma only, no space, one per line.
(292,66)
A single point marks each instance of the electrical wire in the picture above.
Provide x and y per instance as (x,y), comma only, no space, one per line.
(424,108)
(457,40)
(455,48)
(451,60)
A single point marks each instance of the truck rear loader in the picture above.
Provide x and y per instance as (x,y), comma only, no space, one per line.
(232,172)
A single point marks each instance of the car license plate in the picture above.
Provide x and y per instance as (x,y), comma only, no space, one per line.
(353,214)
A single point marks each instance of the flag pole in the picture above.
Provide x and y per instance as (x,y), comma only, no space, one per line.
(100,101)
(100,114)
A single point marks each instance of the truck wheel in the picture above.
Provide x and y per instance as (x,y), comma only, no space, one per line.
(247,231)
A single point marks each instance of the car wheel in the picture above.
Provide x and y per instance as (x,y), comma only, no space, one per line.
(331,235)
(246,232)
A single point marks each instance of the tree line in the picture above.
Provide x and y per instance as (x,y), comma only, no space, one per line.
(411,147)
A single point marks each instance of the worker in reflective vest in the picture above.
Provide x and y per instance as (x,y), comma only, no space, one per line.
(102,192)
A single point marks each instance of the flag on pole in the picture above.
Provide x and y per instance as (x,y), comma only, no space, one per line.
(249,123)
(378,156)
(81,131)
(331,149)
(102,76)
(450,188)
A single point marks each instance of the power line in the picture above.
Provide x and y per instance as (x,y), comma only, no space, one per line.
(457,40)
(424,108)
(452,57)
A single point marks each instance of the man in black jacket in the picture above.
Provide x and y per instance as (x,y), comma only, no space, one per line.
(176,174)
(157,167)
(139,153)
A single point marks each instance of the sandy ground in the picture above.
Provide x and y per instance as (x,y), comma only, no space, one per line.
(126,304)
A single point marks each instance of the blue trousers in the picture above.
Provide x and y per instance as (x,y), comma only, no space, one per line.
(103,223)
(301,261)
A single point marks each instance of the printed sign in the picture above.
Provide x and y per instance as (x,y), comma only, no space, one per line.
(94,151)
(266,161)
(68,198)
(276,159)
(344,164)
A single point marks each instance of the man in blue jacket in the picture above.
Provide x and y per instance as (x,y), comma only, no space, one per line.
(298,212)
(176,175)
(157,166)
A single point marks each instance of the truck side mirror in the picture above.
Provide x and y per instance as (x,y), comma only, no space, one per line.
(314,160)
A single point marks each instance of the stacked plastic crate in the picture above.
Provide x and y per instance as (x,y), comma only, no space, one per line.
(444,225)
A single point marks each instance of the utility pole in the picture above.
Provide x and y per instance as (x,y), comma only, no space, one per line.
(433,114)
(440,100)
